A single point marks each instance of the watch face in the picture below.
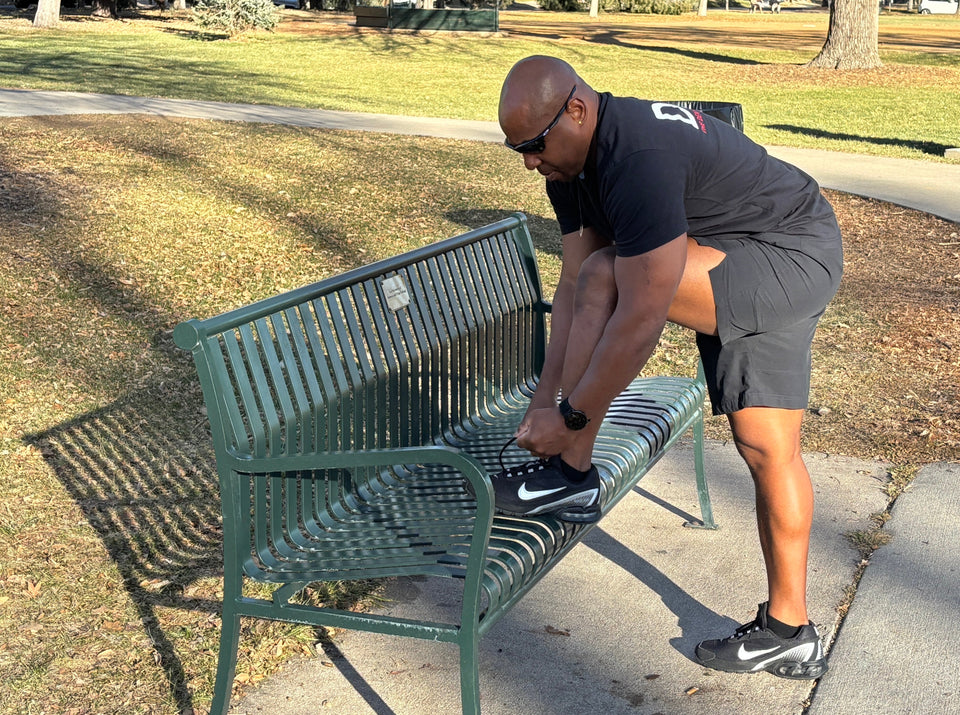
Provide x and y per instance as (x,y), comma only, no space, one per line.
(575,419)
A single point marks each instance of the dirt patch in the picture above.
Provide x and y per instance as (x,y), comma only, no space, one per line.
(887,365)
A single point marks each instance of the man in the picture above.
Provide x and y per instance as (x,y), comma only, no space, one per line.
(668,214)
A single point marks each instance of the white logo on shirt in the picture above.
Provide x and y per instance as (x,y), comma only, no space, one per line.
(662,110)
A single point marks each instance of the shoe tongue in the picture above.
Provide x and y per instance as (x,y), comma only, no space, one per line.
(762,616)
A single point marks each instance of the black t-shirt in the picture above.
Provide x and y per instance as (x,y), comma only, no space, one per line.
(657,170)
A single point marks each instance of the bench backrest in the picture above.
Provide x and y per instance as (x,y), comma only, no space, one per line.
(390,354)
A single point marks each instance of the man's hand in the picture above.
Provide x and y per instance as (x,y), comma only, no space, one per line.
(543,432)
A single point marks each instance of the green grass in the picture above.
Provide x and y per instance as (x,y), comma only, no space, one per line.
(903,109)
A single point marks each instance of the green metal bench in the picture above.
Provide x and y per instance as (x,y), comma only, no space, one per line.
(347,414)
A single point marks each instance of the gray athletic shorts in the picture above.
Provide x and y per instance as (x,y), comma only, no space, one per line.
(770,296)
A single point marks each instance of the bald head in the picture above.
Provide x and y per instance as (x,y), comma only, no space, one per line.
(535,88)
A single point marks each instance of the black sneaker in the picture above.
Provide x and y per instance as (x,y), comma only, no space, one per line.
(540,486)
(754,647)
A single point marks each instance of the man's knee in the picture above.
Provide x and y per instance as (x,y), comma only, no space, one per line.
(768,455)
(768,439)
(596,281)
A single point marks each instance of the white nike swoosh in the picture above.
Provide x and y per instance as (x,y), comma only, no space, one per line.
(529,495)
(744,654)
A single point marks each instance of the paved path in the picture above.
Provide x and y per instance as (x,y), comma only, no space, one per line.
(626,608)
(933,187)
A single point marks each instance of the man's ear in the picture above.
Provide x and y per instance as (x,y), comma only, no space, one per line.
(578,110)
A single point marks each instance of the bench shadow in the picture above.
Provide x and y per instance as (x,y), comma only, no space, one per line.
(370,696)
(148,491)
(932,148)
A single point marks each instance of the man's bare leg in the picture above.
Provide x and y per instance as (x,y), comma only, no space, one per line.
(768,439)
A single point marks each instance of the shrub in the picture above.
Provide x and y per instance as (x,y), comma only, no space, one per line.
(235,16)
(654,7)
(563,5)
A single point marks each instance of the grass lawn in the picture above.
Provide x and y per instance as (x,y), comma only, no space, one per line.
(905,108)
(113,229)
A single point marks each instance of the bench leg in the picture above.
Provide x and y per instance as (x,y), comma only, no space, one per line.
(703,494)
(469,673)
(226,662)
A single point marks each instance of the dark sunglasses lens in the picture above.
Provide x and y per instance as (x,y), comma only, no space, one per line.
(533,146)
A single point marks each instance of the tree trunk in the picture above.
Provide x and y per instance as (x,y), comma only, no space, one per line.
(48,14)
(702,12)
(594,8)
(851,38)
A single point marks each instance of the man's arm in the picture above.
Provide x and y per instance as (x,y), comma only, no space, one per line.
(576,249)
(646,285)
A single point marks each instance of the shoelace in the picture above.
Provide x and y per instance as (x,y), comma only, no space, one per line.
(525,468)
(747,628)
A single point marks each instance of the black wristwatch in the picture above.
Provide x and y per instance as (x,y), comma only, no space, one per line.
(574,419)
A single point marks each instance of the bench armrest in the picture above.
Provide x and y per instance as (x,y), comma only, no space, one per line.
(468,466)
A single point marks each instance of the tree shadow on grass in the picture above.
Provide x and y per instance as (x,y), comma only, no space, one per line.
(150,493)
(932,148)
(612,38)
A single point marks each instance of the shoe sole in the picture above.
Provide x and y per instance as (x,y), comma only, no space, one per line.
(573,515)
(809,670)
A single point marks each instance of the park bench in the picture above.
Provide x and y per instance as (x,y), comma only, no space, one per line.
(347,415)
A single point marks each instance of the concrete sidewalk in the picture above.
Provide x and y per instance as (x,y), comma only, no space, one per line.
(933,187)
(898,651)
(613,628)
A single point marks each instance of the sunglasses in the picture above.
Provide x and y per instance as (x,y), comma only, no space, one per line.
(537,144)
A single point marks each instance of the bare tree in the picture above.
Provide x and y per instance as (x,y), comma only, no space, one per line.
(48,14)
(852,37)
